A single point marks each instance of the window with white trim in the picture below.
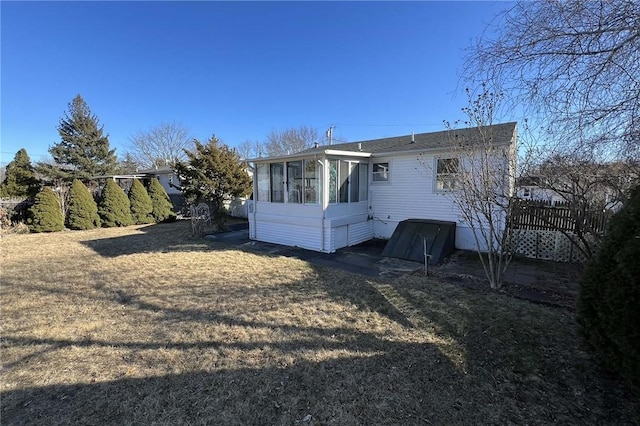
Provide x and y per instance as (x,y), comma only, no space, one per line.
(312,181)
(447,170)
(262,177)
(294,182)
(277,182)
(380,172)
(347,181)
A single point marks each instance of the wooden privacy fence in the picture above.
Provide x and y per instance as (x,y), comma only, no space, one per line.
(545,231)
(542,216)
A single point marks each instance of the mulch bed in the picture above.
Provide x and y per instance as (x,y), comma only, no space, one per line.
(537,294)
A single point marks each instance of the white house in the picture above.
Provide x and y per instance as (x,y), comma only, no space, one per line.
(334,196)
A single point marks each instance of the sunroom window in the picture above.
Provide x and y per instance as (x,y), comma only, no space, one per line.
(262,175)
(277,182)
(294,182)
(312,181)
(348,181)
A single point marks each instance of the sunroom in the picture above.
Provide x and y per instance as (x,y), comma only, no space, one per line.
(316,200)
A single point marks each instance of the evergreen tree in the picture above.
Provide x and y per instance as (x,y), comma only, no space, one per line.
(128,165)
(82,212)
(141,205)
(162,207)
(609,299)
(213,173)
(114,207)
(45,215)
(83,145)
(20,180)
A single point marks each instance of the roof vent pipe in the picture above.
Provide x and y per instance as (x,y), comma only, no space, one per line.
(315,145)
(413,138)
(359,146)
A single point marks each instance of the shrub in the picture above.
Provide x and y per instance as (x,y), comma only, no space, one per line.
(82,212)
(45,215)
(5,219)
(114,207)
(162,205)
(141,205)
(609,299)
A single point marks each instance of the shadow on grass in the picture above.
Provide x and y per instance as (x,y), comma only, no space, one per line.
(520,363)
(396,387)
(156,238)
(517,368)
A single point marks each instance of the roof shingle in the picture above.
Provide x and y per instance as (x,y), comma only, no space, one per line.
(502,134)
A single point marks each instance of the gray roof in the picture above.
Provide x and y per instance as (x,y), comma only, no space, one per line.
(502,134)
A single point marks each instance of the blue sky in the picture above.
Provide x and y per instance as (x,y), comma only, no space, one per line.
(238,70)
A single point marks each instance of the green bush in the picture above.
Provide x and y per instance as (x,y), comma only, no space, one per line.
(141,205)
(162,205)
(45,215)
(20,180)
(82,212)
(609,299)
(114,207)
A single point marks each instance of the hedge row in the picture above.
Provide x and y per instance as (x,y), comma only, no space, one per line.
(114,207)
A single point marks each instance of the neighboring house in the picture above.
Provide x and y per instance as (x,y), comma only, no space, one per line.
(602,185)
(166,176)
(169,181)
(330,197)
(528,188)
(236,207)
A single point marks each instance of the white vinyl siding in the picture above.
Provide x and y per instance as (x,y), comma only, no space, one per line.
(409,196)
(307,236)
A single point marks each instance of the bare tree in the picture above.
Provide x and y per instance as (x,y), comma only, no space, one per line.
(248,149)
(290,141)
(160,145)
(588,189)
(482,171)
(574,66)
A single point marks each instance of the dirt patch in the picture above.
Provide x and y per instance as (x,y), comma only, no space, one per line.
(543,282)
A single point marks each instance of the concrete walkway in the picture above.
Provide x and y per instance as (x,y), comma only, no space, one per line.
(364,259)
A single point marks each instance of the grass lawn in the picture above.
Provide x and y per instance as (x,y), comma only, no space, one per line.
(149,325)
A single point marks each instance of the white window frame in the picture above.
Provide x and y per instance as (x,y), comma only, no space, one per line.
(450,181)
(375,181)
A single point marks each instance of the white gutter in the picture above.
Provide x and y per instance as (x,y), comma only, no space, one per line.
(348,153)
(315,154)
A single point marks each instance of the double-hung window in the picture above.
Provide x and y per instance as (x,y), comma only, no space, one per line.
(447,170)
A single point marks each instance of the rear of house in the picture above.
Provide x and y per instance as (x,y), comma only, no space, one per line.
(330,197)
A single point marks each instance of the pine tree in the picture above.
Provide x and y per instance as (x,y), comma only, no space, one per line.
(20,180)
(141,205)
(609,299)
(127,165)
(114,207)
(82,212)
(213,173)
(162,207)
(45,215)
(83,145)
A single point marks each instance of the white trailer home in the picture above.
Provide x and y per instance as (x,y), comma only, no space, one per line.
(334,196)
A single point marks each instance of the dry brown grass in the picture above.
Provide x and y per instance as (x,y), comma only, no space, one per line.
(149,325)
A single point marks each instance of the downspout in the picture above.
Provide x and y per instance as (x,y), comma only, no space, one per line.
(323,204)
(254,201)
